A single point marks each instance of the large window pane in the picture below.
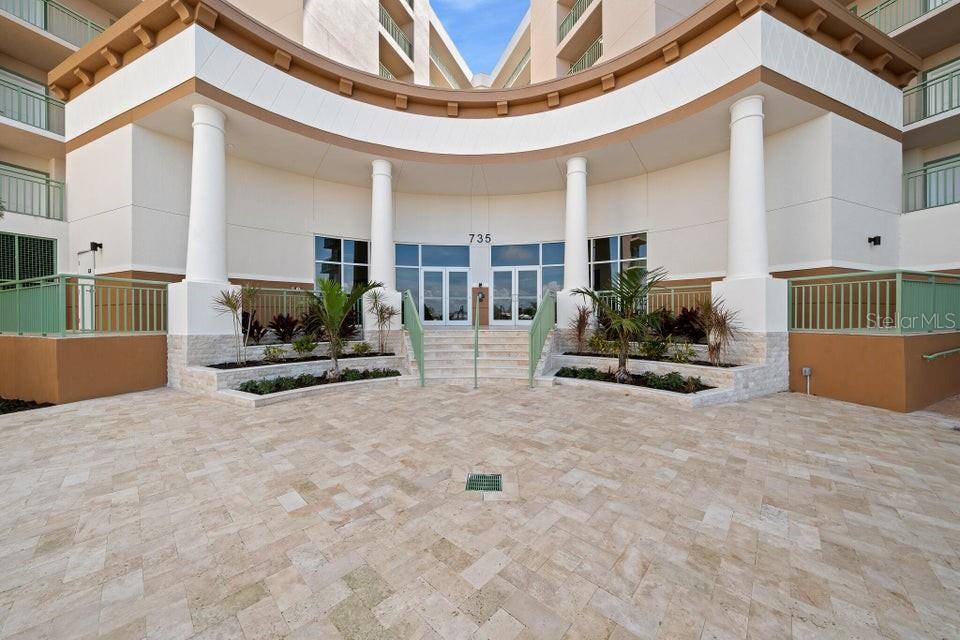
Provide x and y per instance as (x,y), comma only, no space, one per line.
(438,255)
(328,271)
(633,246)
(552,279)
(327,249)
(354,275)
(409,280)
(605,249)
(515,255)
(602,274)
(553,253)
(408,255)
(355,251)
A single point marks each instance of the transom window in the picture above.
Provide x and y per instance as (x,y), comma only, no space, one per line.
(341,259)
(615,254)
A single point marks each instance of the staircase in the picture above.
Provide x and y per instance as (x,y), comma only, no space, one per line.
(448,356)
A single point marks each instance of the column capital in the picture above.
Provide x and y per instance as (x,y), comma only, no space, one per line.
(382,168)
(746,107)
(204,114)
(577,164)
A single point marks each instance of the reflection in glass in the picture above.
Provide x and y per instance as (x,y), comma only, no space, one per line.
(515,255)
(553,253)
(327,248)
(527,286)
(433,296)
(438,255)
(552,279)
(605,249)
(458,296)
(408,255)
(602,274)
(409,280)
(633,246)
(355,251)
(633,264)
(354,275)
(503,295)
(328,271)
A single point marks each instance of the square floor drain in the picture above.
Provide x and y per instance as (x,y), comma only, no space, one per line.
(484,482)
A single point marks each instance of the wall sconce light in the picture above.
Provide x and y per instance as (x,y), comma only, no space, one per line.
(873,241)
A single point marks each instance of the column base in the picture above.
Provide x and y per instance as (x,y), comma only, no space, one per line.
(190,309)
(760,303)
(567,307)
(391,298)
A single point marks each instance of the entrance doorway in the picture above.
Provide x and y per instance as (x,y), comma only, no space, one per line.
(516,294)
(446,296)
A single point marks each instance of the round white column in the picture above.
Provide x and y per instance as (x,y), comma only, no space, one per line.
(382,252)
(576,272)
(207,236)
(747,255)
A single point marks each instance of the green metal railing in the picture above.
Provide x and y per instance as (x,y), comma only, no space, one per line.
(931,98)
(55,19)
(270,302)
(935,185)
(589,58)
(891,15)
(386,73)
(67,304)
(576,12)
(673,299)
(886,302)
(476,339)
(543,323)
(519,68)
(414,326)
(396,32)
(31,194)
(444,71)
(30,107)
(940,354)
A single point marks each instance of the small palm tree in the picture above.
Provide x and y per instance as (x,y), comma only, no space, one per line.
(230,301)
(329,309)
(249,295)
(383,314)
(624,307)
(721,326)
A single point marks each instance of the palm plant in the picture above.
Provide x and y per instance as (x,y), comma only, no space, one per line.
(230,301)
(249,295)
(721,327)
(329,311)
(624,307)
(383,314)
(580,325)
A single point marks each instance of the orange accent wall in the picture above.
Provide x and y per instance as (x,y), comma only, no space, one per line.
(879,371)
(59,370)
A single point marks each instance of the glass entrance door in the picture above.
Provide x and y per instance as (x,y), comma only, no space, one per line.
(516,294)
(446,297)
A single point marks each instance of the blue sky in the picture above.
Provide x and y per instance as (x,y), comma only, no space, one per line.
(481,28)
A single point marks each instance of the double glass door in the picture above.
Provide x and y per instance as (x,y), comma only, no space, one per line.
(446,296)
(516,294)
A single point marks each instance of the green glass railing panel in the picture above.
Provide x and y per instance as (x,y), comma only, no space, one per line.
(576,12)
(891,15)
(929,304)
(935,185)
(55,19)
(29,107)
(396,32)
(543,323)
(589,58)
(444,71)
(414,327)
(30,194)
(931,98)
(519,68)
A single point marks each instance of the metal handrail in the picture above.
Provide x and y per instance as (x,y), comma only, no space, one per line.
(576,12)
(444,71)
(386,73)
(395,31)
(476,338)
(516,72)
(30,107)
(589,58)
(935,185)
(931,98)
(544,320)
(54,18)
(940,354)
(26,193)
(414,326)
(891,15)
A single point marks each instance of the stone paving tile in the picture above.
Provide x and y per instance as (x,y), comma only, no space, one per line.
(164,515)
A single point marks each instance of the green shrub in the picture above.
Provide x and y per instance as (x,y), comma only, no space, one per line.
(288,383)
(682,352)
(304,345)
(598,344)
(654,348)
(274,354)
(361,348)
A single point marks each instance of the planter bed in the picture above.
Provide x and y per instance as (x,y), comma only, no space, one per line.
(277,385)
(254,401)
(674,381)
(267,363)
(701,363)
(13,406)
(710,397)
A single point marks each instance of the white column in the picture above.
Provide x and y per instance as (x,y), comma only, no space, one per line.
(747,255)
(576,268)
(382,252)
(207,238)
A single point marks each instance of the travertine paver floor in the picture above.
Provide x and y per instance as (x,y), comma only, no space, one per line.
(162,515)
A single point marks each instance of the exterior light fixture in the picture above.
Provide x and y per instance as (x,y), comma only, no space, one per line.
(873,241)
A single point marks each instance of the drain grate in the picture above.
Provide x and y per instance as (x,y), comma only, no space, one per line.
(484,482)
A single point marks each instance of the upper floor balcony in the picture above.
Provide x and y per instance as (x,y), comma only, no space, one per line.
(589,58)
(937,184)
(30,192)
(576,12)
(54,18)
(924,26)
(27,105)
(933,97)
(396,33)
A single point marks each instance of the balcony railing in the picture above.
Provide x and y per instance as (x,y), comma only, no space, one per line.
(444,70)
(386,73)
(67,304)
(30,194)
(30,107)
(576,12)
(891,15)
(396,32)
(931,98)
(55,19)
(885,302)
(933,186)
(516,72)
(589,57)
(672,299)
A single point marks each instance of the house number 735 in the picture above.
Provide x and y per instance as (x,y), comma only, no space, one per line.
(480,238)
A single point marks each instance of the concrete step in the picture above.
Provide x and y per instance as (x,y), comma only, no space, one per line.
(439,341)
(464,372)
(430,331)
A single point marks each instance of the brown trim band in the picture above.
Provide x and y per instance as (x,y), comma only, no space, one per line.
(760,75)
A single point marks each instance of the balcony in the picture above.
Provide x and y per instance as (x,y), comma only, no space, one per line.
(386,73)
(30,193)
(444,71)
(909,21)
(576,12)
(589,58)
(55,19)
(29,107)
(931,98)
(524,61)
(935,185)
(399,37)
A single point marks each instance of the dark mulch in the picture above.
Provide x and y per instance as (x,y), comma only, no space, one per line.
(13,406)
(264,363)
(702,363)
(276,385)
(673,381)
